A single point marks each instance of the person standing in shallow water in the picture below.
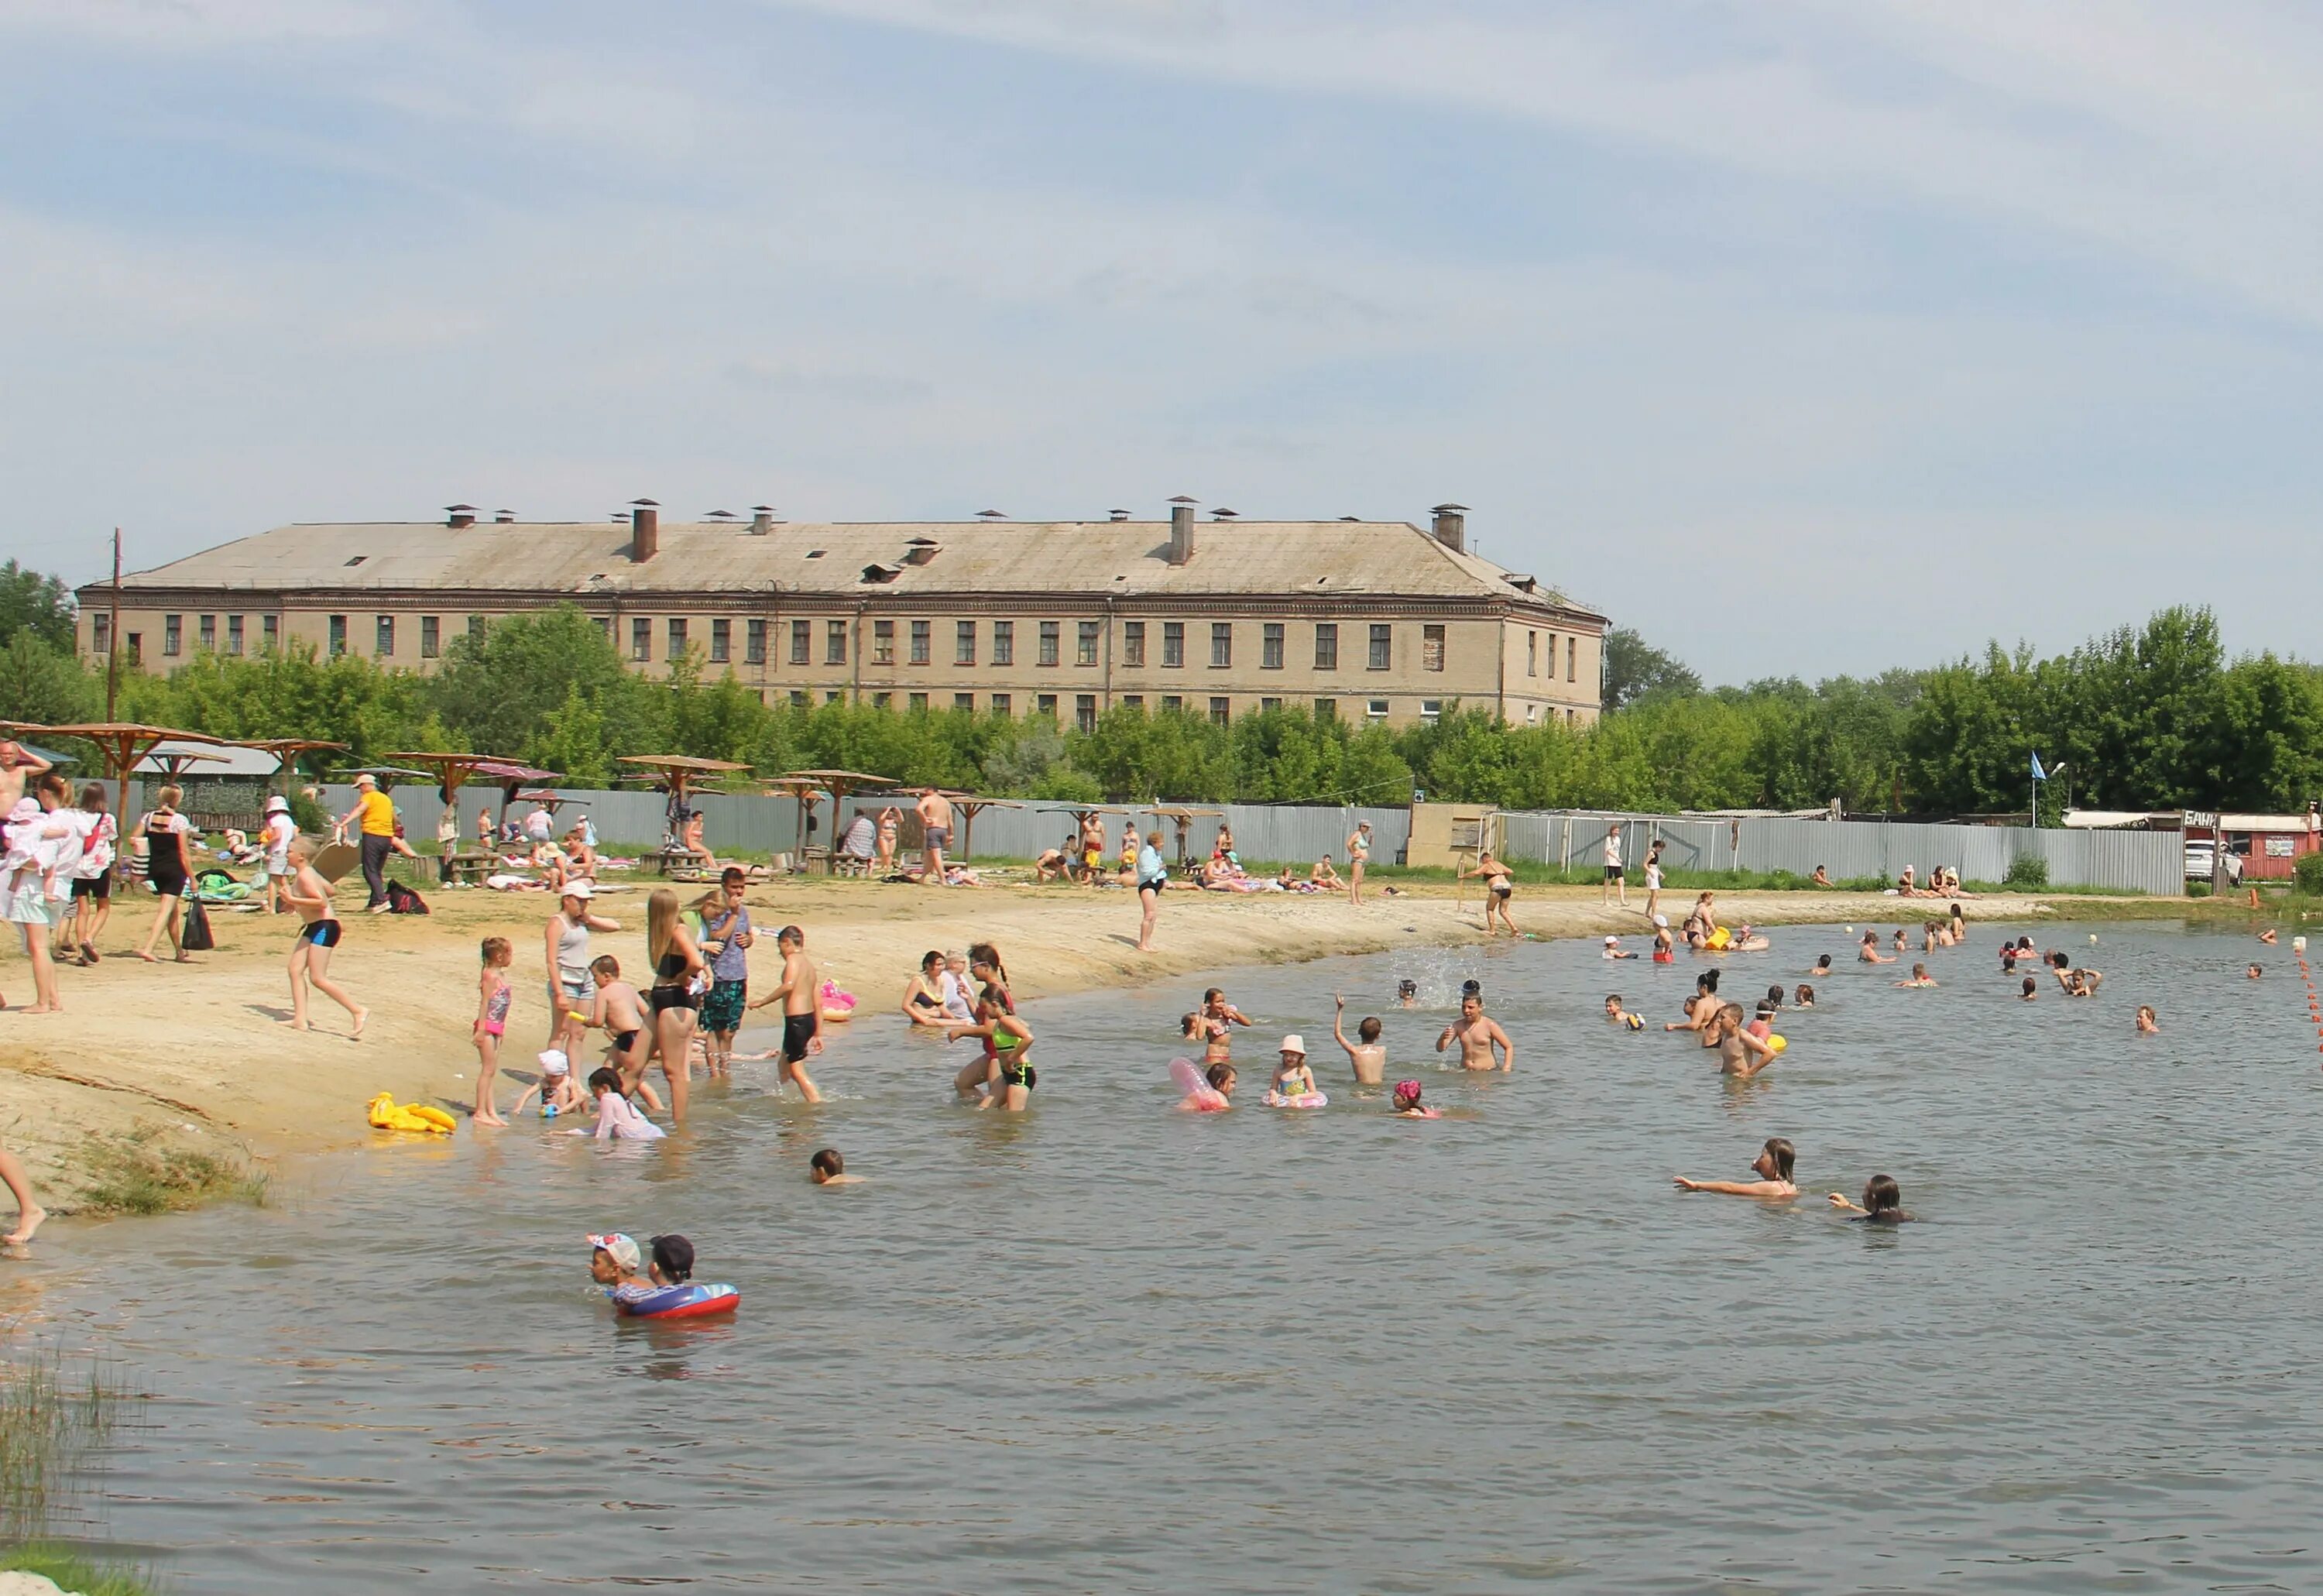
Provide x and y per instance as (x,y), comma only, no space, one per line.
(802,1011)
(1477,1037)
(1368,1057)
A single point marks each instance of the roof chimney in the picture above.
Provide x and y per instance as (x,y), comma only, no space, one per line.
(645,530)
(762,520)
(503,517)
(1452,527)
(459,515)
(1182,534)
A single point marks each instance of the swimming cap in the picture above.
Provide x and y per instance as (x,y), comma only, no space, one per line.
(1406,1091)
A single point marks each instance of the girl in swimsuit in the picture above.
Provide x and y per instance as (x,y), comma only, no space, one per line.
(1004,1076)
(1883,1203)
(676,962)
(923,1001)
(493,994)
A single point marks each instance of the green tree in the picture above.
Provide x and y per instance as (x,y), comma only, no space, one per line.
(42,683)
(572,741)
(496,692)
(35,602)
(1634,667)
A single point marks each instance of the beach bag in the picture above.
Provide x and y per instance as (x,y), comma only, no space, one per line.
(194,935)
(402,900)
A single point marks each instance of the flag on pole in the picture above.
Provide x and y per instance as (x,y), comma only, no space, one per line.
(2039,775)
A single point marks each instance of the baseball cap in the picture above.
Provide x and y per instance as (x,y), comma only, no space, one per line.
(623,1248)
(1295,1043)
(578,889)
(555,1062)
(364,778)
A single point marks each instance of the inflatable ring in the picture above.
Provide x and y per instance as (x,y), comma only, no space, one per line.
(1303,1100)
(682,1302)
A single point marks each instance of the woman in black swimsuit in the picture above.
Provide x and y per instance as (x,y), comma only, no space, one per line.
(164,830)
(923,997)
(676,963)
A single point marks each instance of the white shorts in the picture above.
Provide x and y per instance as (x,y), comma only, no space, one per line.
(29,905)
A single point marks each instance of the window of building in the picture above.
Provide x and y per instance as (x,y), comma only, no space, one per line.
(880,701)
(383,637)
(136,648)
(1173,645)
(722,641)
(1270,647)
(834,642)
(1327,645)
(270,631)
(1532,714)
(1382,645)
(883,642)
(429,637)
(1221,710)
(1085,648)
(1532,654)
(604,628)
(234,634)
(1221,645)
(100,634)
(1431,648)
(1133,700)
(1003,642)
(1431,710)
(1004,703)
(1085,711)
(1132,642)
(1326,709)
(1051,633)
(335,630)
(173,635)
(923,641)
(1572,654)
(964,701)
(963,643)
(754,642)
(475,629)
(802,642)
(1046,705)
(206,628)
(1172,705)
(640,638)
(918,703)
(834,696)
(1375,709)
(798,699)
(1266,704)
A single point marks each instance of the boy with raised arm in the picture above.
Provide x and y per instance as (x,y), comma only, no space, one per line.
(1477,1037)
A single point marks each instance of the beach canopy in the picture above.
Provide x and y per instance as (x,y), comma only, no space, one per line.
(122,742)
(452,771)
(288,750)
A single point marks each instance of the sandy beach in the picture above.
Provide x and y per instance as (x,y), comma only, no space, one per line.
(203,1052)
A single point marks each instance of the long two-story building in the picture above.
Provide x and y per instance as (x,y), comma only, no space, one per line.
(1370,621)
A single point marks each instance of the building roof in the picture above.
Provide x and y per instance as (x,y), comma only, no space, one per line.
(1313,558)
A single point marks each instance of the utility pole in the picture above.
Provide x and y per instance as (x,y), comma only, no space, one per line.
(113,630)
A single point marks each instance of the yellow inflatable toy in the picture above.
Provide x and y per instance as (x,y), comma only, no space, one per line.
(1777,1042)
(415,1116)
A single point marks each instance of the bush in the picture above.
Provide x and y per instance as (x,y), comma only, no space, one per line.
(2026,870)
(2198,889)
(2307,871)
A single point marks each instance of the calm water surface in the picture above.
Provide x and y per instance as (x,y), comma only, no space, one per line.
(1107,1346)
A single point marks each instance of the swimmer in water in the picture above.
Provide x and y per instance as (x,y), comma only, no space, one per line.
(1618,1016)
(1613,948)
(1920,978)
(1477,1037)
(1773,1165)
(1883,1203)
(1221,1015)
(1702,1007)
(1774,994)
(1869,952)
(2032,993)
(1899,939)
(1292,1078)
(1367,1056)
(1221,1083)
(2267,936)
(2252,973)
(1408,1105)
(1740,1053)
(2146,1024)
(1407,993)
(827,1167)
(1804,998)
(1822,971)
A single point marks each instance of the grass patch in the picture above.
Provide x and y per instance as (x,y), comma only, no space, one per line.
(52,1421)
(75,1572)
(133,1171)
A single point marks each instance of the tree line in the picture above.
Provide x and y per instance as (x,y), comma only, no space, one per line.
(2150,717)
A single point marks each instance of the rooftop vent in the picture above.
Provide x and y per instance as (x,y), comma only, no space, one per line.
(644,529)
(1118,515)
(1181,531)
(876,573)
(1185,498)
(1452,527)
(359,559)
(718,515)
(919,551)
(991,515)
(762,520)
(1351,518)
(1224,515)
(1524,584)
(503,517)
(459,515)
(815,553)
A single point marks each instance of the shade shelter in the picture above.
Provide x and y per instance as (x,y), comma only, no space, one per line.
(454,771)
(1184,819)
(803,785)
(289,751)
(174,761)
(808,794)
(120,743)
(677,774)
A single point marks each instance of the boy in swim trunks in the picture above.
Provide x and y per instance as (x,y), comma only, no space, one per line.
(619,1010)
(798,993)
(1477,1037)
(1368,1057)
(319,933)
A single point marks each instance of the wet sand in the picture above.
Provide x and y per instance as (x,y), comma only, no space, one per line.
(204,1050)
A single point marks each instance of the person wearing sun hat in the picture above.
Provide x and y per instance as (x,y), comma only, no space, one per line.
(1292,1078)
(274,836)
(1613,948)
(1665,948)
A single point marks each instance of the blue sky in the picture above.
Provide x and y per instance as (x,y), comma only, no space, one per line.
(1805,335)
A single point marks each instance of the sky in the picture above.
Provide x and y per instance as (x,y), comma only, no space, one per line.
(1805,337)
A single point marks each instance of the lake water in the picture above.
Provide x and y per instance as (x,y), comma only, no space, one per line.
(1108,1346)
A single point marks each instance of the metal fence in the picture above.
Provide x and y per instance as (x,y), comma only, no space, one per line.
(2141,861)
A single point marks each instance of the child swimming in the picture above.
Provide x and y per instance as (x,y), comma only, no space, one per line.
(2032,993)
(1408,1105)
(1368,1056)
(2253,974)
(1619,1015)
(1883,1202)
(1920,978)
(827,1167)
(672,1260)
(1773,1166)
(1294,1083)
(1205,1093)
(1805,997)
(614,1262)
(1822,971)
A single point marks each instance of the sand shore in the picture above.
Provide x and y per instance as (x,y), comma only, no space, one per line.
(204,1052)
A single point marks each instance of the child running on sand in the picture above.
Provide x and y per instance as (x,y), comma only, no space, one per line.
(618,1118)
(1773,1166)
(494,991)
(319,933)
(1408,1105)
(1883,1203)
